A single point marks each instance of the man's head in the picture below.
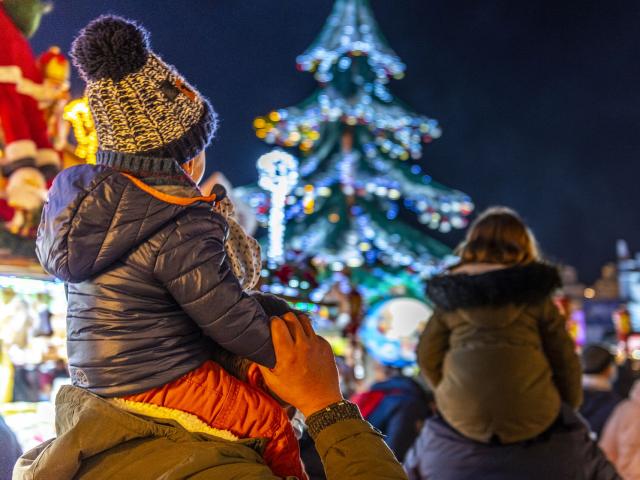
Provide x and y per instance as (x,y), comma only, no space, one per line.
(598,360)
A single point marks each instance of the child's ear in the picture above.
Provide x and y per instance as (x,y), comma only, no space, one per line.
(254,377)
(188,167)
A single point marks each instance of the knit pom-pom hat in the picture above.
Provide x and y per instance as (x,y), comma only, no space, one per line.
(148,118)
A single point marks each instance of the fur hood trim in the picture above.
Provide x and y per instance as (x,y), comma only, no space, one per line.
(514,285)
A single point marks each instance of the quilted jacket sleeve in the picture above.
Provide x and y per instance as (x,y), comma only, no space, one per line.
(560,351)
(352,449)
(434,343)
(193,267)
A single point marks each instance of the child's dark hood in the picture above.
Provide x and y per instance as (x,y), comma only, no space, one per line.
(94,216)
(495,288)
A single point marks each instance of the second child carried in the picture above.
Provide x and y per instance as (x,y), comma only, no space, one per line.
(496,349)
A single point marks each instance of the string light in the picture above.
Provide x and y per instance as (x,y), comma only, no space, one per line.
(398,132)
(278,174)
(309,199)
(350,31)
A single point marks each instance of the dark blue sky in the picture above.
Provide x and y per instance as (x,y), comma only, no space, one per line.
(539,100)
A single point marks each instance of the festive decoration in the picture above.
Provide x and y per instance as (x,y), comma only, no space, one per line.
(27,89)
(22,88)
(278,173)
(34,127)
(391,331)
(26,193)
(359,176)
(77,113)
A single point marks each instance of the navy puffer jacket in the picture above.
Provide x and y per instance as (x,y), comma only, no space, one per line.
(149,285)
(564,451)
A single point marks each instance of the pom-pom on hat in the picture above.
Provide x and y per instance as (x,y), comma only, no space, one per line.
(146,115)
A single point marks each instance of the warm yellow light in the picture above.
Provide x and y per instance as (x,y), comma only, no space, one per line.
(324,191)
(259,123)
(309,200)
(589,293)
(295,137)
(274,116)
(77,113)
(334,218)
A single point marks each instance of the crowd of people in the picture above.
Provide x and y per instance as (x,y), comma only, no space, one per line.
(179,370)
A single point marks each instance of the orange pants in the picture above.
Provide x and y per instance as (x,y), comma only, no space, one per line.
(226,403)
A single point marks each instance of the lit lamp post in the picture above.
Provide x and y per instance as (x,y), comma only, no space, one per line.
(278,174)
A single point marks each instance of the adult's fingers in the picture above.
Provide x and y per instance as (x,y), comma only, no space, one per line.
(283,341)
(295,327)
(307,326)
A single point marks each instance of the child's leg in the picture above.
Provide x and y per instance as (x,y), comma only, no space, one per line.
(225,403)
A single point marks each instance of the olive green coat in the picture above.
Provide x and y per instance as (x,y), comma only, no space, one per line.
(97,441)
(497,353)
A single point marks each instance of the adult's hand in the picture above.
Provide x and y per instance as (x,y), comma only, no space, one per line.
(305,374)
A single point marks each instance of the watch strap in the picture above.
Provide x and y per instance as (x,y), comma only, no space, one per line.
(334,413)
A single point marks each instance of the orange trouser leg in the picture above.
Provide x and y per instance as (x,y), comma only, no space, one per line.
(224,402)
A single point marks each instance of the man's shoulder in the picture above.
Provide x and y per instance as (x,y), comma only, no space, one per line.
(133,446)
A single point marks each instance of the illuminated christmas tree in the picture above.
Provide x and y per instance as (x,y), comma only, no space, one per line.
(359,172)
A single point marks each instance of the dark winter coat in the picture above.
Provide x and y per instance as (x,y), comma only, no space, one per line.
(565,451)
(497,352)
(149,285)
(400,413)
(597,407)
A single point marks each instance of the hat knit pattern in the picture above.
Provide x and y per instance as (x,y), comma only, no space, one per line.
(243,251)
(142,107)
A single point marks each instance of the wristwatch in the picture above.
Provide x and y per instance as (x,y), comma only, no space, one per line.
(334,413)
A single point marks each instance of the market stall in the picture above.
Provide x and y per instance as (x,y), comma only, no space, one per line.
(32,348)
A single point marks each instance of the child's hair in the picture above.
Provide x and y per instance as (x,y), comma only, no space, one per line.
(498,235)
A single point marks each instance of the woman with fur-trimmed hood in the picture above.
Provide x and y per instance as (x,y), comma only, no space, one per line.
(496,350)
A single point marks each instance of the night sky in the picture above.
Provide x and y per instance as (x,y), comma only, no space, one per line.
(539,100)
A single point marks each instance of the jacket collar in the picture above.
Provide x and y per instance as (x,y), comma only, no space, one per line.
(514,285)
(154,170)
